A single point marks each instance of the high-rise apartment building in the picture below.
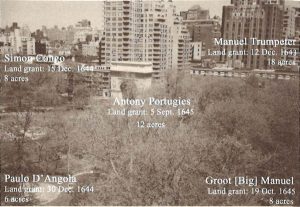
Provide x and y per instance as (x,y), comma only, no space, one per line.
(261,19)
(145,31)
(297,21)
(289,22)
(297,36)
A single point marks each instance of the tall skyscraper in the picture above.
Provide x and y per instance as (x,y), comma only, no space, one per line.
(145,31)
(262,19)
(289,22)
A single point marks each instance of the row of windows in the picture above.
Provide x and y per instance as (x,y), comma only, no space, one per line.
(114,24)
(114,29)
(114,19)
(141,47)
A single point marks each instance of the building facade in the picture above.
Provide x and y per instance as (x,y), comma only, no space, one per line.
(297,21)
(197,51)
(90,49)
(202,29)
(261,19)
(28,46)
(289,20)
(16,40)
(145,31)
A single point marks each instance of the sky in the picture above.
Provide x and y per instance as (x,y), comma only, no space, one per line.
(36,13)
(50,13)
(64,13)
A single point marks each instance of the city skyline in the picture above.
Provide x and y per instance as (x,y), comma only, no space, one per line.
(19,11)
(25,12)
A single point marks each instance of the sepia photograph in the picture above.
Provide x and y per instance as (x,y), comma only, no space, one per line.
(149,103)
